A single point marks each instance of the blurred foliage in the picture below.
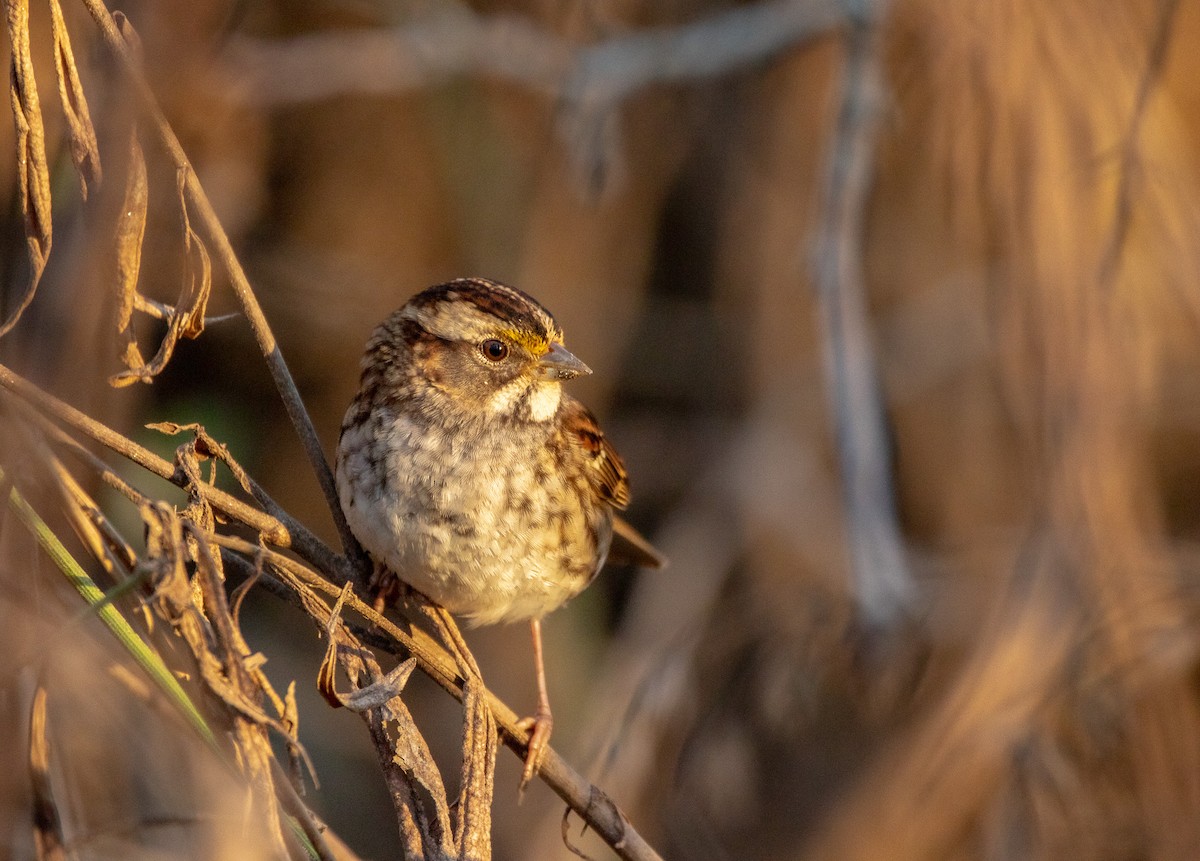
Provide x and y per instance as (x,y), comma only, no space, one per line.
(1029,247)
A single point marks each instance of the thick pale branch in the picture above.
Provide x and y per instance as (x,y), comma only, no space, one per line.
(883,582)
(324,65)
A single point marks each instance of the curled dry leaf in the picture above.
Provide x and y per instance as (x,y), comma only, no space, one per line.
(131,231)
(405,757)
(32,170)
(84,151)
(186,319)
(198,281)
(373,696)
(203,445)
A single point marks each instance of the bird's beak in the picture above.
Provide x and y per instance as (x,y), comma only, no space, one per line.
(561,364)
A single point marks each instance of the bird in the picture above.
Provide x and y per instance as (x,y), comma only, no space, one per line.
(465,470)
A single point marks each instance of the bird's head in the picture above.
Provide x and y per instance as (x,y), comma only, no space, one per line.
(491,349)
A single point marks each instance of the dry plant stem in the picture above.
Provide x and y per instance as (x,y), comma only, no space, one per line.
(282,530)
(296,808)
(474,826)
(884,585)
(590,802)
(214,233)
(270,527)
(1156,62)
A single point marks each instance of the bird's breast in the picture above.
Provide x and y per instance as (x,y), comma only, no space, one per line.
(491,522)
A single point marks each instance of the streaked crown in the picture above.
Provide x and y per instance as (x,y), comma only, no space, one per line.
(469,309)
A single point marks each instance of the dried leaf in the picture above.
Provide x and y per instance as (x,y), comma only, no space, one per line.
(47,825)
(186,319)
(377,695)
(84,151)
(474,836)
(203,445)
(31,155)
(131,231)
(198,281)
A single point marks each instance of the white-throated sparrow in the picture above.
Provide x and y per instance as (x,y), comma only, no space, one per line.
(464,468)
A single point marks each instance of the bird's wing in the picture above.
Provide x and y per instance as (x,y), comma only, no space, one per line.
(605,471)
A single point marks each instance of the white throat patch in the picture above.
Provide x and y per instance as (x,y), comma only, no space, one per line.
(543,402)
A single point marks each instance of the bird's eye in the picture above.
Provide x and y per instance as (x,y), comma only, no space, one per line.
(494,349)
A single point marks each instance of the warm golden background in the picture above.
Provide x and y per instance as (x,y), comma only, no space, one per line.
(1006,193)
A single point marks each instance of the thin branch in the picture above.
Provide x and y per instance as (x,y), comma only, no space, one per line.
(210,226)
(295,807)
(590,802)
(271,528)
(884,584)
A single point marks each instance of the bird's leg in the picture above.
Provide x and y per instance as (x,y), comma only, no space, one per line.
(384,587)
(542,722)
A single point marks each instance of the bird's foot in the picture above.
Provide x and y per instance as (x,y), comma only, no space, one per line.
(539,728)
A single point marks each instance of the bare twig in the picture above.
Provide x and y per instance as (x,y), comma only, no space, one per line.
(884,584)
(313,829)
(276,526)
(1130,156)
(591,803)
(270,527)
(209,225)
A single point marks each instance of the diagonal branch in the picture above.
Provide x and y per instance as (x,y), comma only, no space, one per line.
(271,528)
(209,225)
(590,802)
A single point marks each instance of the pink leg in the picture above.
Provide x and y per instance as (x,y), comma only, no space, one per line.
(542,722)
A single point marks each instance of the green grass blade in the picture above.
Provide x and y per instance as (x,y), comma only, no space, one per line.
(146,657)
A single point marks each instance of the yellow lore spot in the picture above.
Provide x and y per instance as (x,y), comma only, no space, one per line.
(534,344)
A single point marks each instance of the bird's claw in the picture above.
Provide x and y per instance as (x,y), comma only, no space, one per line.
(539,728)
